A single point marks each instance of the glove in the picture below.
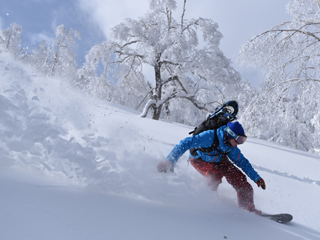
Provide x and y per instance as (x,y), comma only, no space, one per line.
(261,184)
(164,166)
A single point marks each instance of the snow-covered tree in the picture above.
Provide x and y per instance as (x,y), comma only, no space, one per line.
(62,59)
(39,58)
(11,39)
(98,85)
(157,59)
(287,111)
(57,59)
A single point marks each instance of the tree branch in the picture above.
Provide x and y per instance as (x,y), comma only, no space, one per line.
(193,23)
(175,78)
(168,62)
(279,31)
(183,11)
(144,98)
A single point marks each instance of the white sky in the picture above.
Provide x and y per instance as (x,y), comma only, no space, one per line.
(238,20)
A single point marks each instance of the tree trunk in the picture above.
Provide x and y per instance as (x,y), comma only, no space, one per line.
(157,92)
(156,112)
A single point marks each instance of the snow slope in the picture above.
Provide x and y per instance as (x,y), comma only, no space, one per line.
(73,168)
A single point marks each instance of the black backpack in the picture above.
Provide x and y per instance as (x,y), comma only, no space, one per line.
(226,113)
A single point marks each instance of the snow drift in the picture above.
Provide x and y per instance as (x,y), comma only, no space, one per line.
(79,168)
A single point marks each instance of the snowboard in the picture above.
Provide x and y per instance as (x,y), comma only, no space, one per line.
(280,218)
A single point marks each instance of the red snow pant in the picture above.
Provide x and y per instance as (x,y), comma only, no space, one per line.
(215,172)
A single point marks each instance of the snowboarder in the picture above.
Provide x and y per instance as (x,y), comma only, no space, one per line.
(216,164)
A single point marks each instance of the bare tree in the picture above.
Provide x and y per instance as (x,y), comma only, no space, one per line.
(11,39)
(183,55)
(61,58)
(290,55)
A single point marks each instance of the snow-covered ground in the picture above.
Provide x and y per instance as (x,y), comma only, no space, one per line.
(73,168)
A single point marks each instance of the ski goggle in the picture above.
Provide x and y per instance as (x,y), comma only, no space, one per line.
(240,139)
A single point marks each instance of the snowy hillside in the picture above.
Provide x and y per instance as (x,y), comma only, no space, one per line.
(73,168)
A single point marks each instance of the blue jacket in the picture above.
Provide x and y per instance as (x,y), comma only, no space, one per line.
(205,140)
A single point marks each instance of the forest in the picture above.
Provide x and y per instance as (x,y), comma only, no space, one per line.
(173,69)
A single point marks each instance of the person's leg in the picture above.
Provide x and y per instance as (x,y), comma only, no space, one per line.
(239,182)
(208,170)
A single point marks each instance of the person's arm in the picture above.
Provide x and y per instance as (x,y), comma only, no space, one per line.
(204,139)
(238,159)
